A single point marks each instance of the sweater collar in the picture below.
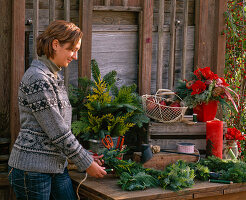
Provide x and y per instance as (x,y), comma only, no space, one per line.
(51,66)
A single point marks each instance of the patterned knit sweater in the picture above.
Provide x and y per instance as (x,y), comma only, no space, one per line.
(45,140)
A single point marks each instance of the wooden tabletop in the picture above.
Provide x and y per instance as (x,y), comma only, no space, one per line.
(107,188)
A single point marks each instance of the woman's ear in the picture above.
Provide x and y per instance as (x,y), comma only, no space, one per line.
(55,44)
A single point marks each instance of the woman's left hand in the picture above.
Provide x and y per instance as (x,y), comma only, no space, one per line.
(98,159)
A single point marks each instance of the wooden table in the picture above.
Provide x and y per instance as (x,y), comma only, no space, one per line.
(107,189)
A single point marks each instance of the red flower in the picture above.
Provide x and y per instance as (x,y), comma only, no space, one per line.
(205,73)
(234,134)
(198,87)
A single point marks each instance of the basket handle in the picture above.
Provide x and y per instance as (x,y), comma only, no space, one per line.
(166,92)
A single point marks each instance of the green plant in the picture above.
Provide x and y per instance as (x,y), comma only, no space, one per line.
(106,110)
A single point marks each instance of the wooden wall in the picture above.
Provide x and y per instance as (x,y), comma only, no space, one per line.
(115,38)
(5,62)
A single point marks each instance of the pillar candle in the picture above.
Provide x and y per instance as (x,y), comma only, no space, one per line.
(214,138)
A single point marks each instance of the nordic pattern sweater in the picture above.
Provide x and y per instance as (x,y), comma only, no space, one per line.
(45,140)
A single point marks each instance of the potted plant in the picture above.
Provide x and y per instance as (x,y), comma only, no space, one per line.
(105,109)
(203,91)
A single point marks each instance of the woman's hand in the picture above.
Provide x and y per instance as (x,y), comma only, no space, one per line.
(98,159)
(96,170)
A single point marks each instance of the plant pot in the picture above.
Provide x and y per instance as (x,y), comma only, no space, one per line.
(96,146)
(206,111)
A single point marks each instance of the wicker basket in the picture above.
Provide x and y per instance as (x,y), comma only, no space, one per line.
(163,113)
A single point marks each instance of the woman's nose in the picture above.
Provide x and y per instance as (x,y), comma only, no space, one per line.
(75,55)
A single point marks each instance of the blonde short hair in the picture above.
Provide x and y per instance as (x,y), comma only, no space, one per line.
(63,31)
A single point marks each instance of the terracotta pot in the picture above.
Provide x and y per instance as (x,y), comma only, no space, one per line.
(206,111)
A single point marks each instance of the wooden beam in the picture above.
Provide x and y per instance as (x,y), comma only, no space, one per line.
(52,10)
(17,63)
(107,2)
(5,70)
(117,8)
(145,35)
(219,38)
(85,23)
(209,43)
(67,18)
(172,46)
(160,45)
(35,27)
(185,27)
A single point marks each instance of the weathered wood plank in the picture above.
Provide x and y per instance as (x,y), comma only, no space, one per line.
(218,64)
(209,43)
(108,188)
(17,63)
(172,46)
(52,10)
(168,135)
(200,144)
(114,18)
(179,6)
(35,27)
(116,51)
(178,57)
(117,8)
(85,23)
(185,27)
(160,46)
(179,128)
(146,48)
(67,18)
(160,160)
(5,70)
(208,194)
(107,2)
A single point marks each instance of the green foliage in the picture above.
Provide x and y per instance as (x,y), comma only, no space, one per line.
(231,170)
(101,112)
(139,181)
(201,171)
(177,176)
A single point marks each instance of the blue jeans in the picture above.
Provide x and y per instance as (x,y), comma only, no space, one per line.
(41,186)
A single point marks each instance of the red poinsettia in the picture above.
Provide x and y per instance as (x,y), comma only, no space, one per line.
(198,87)
(205,73)
(234,134)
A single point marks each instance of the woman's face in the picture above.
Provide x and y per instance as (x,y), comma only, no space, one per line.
(63,55)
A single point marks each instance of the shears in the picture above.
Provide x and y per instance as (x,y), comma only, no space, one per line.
(108,142)
(120,142)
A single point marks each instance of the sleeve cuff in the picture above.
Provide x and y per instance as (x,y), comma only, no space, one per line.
(83,161)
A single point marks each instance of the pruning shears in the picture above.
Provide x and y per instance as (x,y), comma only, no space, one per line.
(120,142)
(108,142)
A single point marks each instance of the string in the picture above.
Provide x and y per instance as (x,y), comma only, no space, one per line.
(77,191)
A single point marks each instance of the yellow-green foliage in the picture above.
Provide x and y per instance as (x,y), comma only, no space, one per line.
(97,122)
(100,94)
(119,124)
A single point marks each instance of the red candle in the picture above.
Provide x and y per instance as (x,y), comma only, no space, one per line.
(214,138)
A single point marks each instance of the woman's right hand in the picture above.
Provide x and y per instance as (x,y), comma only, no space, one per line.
(96,171)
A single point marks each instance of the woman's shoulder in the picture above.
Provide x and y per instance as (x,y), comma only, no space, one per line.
(37,71)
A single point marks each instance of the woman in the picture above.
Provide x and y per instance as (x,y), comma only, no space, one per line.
(38,160)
